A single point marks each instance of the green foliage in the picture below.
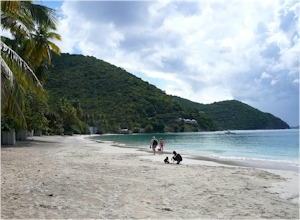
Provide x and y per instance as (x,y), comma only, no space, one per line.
(112,99)
(35,110)
(7,123)
(31,27)
(55,123)
(70,114)
(235,115)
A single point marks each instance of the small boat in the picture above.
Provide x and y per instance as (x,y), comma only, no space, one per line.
(229,132)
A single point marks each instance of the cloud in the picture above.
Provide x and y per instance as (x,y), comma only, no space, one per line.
(205,51)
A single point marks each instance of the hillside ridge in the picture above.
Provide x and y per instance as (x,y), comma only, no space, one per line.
(121,100)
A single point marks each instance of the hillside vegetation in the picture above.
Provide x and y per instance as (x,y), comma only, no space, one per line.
(112,99)
(236,115)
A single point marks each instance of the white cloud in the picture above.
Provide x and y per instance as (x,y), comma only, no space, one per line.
(265,75)
(205,51)
(273,82)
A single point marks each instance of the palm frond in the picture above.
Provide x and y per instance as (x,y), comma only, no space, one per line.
(6,73)
(54,48)
(14,57)
(41,14)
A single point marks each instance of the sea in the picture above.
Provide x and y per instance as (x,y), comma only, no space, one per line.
(270,149)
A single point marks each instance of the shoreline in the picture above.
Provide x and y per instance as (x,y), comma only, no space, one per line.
(285,188)
(268,165)
(73,177)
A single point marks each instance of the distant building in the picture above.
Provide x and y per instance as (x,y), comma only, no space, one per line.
(125,131)
(93,130)
(194,121)
(178,119)
(186,120)
(191,121)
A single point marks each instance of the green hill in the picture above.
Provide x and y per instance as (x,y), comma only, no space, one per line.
(119,99)
(236,115)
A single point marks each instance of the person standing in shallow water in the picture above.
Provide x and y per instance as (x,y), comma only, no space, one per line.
(153,144)
(161,145)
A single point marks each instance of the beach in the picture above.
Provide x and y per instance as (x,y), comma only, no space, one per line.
(71,177)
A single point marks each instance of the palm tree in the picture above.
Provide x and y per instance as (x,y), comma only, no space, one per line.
(69,114)
(43,46)
(18,76)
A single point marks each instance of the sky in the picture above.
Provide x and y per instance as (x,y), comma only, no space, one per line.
(204,51)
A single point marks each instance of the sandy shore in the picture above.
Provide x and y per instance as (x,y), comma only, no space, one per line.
(60,177)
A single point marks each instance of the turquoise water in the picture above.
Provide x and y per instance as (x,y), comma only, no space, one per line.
(255,146)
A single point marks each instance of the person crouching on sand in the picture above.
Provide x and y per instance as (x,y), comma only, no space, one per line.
(153,144)
(166,160)
(177,157)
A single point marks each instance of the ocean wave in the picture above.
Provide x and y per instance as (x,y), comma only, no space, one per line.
(288,162)
(261,161)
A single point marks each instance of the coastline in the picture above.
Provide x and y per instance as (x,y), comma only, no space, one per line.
(212,160)
(75,177)
(256,152)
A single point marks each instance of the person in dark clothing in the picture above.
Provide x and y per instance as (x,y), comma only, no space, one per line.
(166,160)
(153,144)
(177,157)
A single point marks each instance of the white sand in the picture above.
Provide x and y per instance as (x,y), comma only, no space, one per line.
(64,177)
